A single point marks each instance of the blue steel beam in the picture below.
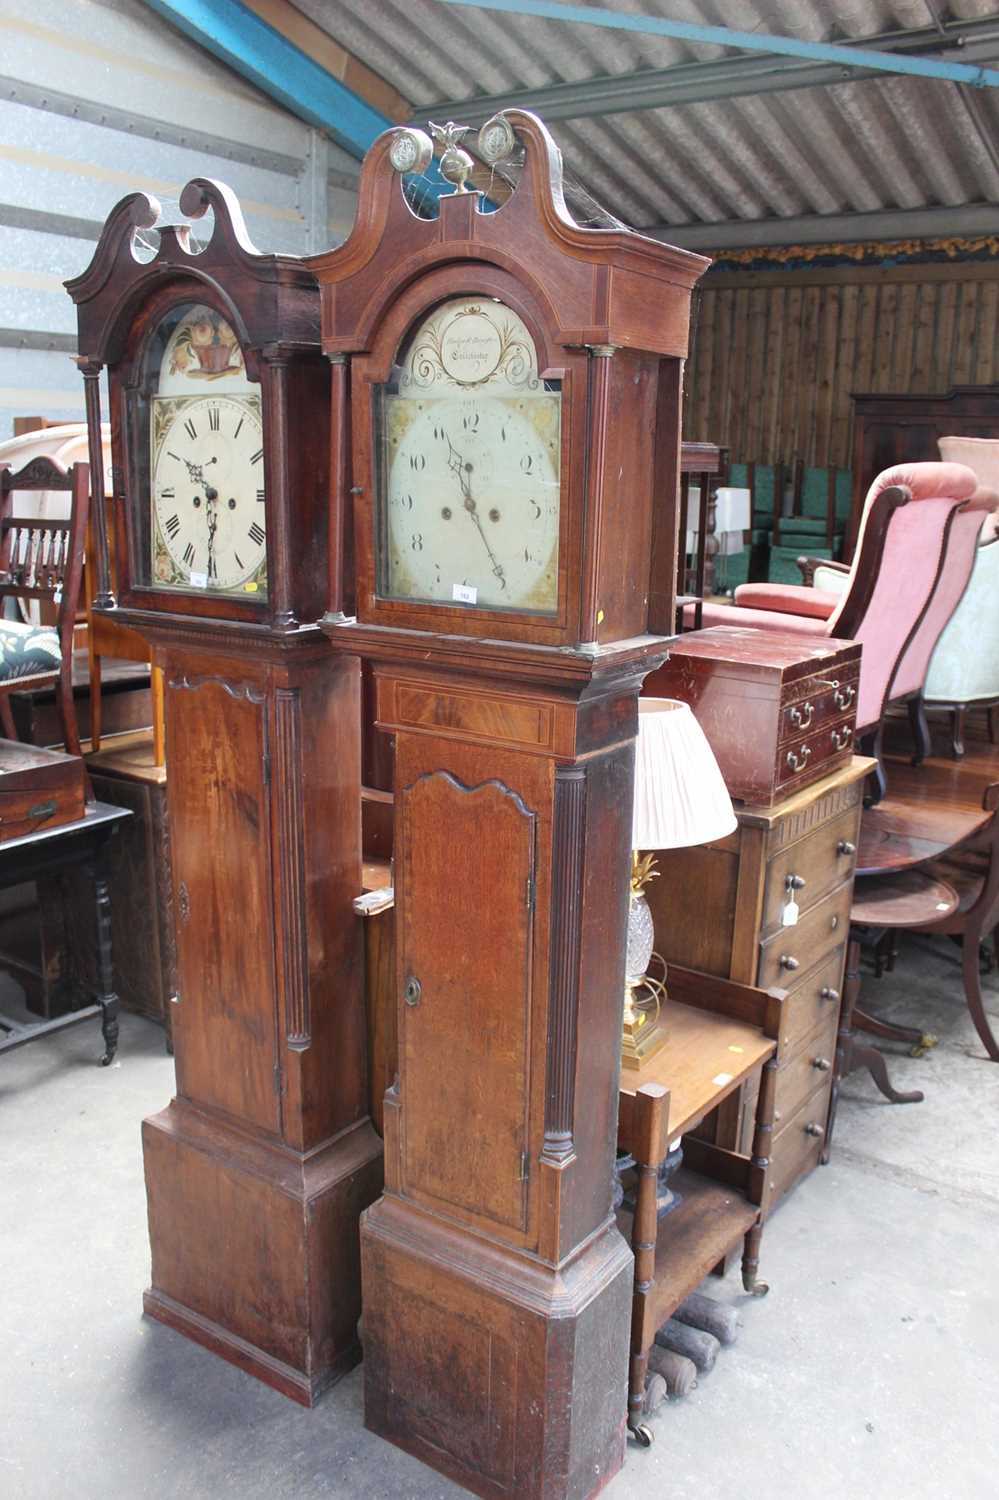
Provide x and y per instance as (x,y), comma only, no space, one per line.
(748,41)
(248,45)
(245,43)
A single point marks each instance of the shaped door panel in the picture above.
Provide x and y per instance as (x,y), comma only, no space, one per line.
(465,944)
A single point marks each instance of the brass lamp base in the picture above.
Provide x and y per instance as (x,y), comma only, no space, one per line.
(643,1033)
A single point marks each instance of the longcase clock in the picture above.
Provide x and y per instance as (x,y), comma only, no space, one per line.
(514,400)
(219,394)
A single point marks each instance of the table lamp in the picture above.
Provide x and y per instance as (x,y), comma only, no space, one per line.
(680,800)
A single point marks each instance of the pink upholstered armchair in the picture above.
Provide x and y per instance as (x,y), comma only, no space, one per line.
(914,553)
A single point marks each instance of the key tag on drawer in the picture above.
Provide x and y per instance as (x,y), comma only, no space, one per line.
(789,913)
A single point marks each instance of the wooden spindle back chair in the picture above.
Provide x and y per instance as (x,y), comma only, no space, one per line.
(42,560)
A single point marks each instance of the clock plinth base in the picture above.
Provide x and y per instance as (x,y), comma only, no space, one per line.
(255,1252)
(501,1372)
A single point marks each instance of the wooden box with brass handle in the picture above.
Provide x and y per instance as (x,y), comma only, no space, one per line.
(779,710)
(38,789)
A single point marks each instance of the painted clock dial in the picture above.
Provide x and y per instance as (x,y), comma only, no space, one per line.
(470,459)
(208,528)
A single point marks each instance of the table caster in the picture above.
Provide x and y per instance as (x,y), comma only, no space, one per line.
(644,1436)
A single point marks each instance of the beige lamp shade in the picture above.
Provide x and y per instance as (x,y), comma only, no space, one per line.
(680,797)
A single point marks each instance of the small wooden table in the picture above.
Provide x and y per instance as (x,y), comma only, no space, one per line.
(51,851)
(718,1034)
(911,829)
(897,835)
(910,899)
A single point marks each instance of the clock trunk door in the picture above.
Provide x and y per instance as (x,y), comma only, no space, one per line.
(466,956)
(220,836)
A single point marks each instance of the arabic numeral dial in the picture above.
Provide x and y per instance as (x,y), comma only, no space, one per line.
(471,508)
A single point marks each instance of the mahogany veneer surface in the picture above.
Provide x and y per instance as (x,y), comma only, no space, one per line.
(778,711)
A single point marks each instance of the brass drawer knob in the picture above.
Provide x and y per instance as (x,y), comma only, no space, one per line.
(843,697)
(798,763)
(828,993)
(841,737)
(794,882)
(789,962)
(845,847)
(812,1129)
(821,1063)
(802,717)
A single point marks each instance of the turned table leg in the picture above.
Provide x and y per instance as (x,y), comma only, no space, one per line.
(760,1160)
(844,1037)
(107,999)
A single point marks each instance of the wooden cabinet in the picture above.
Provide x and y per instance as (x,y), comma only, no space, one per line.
(721,908)
(904,427)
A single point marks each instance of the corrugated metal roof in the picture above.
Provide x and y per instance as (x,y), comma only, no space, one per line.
(881,144)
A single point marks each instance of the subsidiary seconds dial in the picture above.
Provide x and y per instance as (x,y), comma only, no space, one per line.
(473,501)
(208,494)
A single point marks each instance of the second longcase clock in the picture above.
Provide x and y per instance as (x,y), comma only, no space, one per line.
(257,1171)
(514,394)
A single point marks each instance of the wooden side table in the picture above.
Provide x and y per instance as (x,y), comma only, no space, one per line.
(125,774)
(81,845)
(718,1035)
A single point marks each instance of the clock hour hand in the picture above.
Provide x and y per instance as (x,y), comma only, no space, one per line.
(196,472)
(459,467)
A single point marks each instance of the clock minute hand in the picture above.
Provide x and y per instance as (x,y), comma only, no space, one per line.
(459,467)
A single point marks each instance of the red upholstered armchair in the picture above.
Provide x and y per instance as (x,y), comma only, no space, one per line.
(914,554)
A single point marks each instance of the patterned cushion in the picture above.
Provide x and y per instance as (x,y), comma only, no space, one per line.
(26,650)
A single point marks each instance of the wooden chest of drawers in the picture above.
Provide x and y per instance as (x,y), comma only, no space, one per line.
(721,908)
(779,710)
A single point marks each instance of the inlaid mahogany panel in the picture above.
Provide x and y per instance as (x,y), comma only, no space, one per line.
(479,715)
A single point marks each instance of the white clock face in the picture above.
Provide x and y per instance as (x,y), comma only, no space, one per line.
(469,488)
(473,493)
(209,527)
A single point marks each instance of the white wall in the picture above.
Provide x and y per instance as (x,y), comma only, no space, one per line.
(99,98)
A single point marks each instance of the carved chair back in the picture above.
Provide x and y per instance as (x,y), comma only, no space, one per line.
(41,559)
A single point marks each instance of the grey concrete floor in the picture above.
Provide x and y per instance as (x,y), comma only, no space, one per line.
(871,1369)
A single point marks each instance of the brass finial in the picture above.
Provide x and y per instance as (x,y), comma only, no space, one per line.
(455,163)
